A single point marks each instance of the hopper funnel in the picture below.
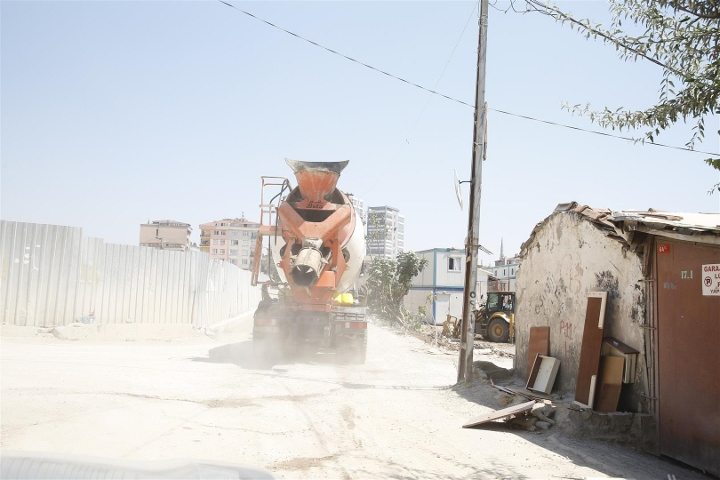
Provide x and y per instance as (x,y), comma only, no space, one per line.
(316,179)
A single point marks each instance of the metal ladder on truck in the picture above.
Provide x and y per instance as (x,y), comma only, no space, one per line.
(272,191)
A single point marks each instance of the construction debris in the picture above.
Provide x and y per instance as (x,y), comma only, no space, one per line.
(543,374)
(451,327)
(537,418)
(500,414)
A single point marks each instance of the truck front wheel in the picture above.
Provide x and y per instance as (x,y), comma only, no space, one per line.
(498,330)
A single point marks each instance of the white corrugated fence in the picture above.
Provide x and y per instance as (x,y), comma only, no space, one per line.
(53,275)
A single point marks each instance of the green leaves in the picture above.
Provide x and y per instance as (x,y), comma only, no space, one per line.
(680,36)
(389,282)
(713,162)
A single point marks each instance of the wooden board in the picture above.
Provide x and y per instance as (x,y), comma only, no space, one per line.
(538,344)
(590,349)
(533,371)
(611,380)
(498,414)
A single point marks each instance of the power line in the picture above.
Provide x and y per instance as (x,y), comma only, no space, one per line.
(354,60)
(599,132)
(453,99)
(447,62)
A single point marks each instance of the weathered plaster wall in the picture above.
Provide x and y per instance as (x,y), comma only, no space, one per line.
(568,258)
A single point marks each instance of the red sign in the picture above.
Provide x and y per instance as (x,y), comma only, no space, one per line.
(663,248)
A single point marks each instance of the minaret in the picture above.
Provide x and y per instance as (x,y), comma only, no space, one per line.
(502,255)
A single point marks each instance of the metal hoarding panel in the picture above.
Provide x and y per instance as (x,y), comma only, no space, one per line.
(53,275)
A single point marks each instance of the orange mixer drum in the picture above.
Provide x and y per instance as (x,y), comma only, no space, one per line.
(324,238)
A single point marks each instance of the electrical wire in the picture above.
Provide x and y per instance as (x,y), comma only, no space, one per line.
(476,8)
(354,60)
(599,132)
(453,99)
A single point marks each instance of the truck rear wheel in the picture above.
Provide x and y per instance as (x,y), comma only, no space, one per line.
(498,330)
(267,349)
(352,350)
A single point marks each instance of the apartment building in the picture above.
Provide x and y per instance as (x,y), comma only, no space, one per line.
(231,240)
(165,235)
(385,232)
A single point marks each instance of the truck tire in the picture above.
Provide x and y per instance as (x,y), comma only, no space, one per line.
(353,351)
(498,330)
(267,349)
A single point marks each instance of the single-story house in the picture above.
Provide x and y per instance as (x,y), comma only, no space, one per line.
(661,275)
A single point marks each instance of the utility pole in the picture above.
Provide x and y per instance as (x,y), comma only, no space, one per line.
(472,242)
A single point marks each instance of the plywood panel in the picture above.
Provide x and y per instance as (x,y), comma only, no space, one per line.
(590,348)
(498,414)
(538,344)
(611,377)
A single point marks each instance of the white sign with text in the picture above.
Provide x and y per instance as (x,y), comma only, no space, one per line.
(711,279)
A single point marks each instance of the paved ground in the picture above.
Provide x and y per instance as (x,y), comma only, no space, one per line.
(394,417)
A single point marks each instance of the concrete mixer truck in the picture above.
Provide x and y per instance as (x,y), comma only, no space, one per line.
(310,249)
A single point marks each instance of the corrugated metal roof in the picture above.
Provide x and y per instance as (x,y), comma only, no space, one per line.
(678,222)
(703,227)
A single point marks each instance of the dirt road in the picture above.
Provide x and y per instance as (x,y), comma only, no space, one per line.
(395,416)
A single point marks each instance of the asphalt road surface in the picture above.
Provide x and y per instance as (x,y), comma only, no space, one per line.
(396,416)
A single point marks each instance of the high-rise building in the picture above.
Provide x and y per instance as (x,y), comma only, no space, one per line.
(385,232)
(230,239)
(165,234)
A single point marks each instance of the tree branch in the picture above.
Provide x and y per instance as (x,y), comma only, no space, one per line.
(707,16)
(539,6)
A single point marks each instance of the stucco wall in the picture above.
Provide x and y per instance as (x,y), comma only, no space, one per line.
(568,258)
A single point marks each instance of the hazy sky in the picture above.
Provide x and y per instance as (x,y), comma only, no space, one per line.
(114,113)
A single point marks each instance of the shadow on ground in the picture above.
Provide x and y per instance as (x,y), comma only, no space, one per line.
(244,355)
(604,456)
(248,355)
